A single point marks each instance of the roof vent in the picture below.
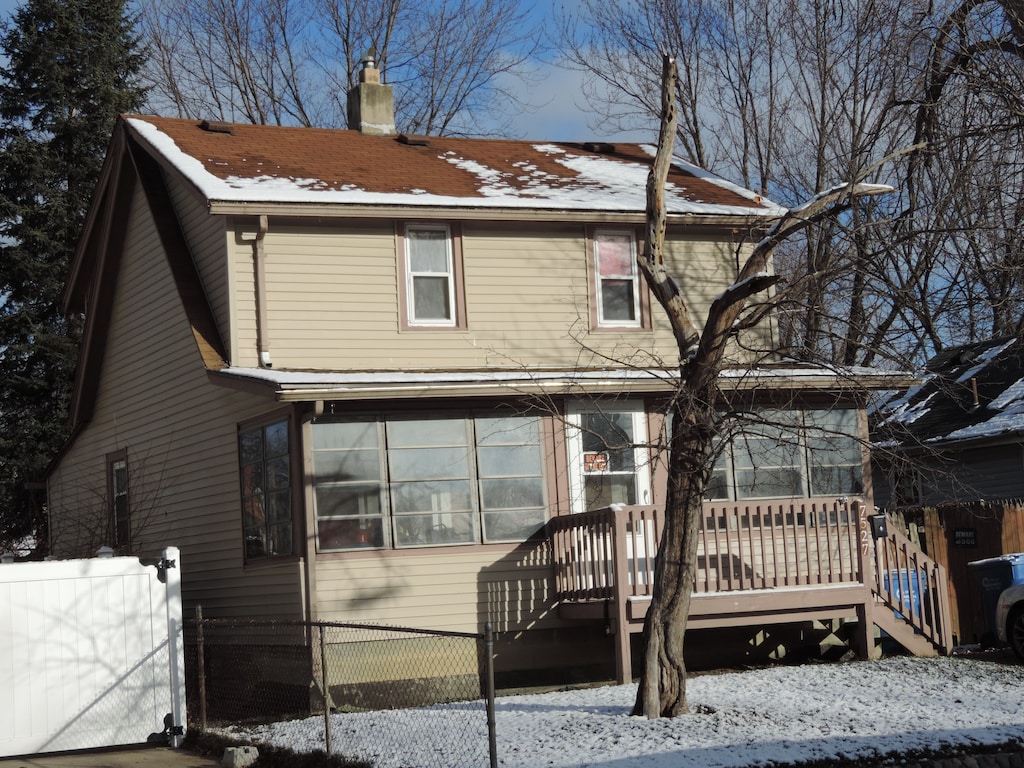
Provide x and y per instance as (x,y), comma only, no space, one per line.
(217,126)
(414,141)
(601,147)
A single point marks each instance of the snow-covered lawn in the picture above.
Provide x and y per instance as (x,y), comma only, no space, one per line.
(783,714)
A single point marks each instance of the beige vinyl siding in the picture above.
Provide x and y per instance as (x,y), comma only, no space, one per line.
(180,434)
(241,253)
(207,239)
(450,588)
(333,299)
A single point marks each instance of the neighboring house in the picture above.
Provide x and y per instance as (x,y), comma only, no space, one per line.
(958,436)
(351,376)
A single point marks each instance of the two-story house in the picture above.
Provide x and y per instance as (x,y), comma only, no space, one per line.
(352,374)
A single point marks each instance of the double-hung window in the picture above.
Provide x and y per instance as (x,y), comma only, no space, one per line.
(265,475)
(431,278)
(408,481)
(617,285)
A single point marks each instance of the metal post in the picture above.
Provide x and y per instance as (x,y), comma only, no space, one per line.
(323,688)
(492,741)
(201,666)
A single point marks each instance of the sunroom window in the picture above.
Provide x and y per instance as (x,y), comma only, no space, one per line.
(793,453)
(404,481)
(266,490)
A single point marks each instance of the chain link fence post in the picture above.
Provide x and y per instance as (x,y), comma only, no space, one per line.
(492,739)
(324,689)
(201,667)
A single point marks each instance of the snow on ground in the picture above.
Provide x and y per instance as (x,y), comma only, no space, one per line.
(781,714)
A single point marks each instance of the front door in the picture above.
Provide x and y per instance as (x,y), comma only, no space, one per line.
(608,454)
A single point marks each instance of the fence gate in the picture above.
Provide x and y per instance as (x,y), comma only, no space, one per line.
(90,654)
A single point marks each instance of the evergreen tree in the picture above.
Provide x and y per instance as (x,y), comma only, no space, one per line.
(71,67)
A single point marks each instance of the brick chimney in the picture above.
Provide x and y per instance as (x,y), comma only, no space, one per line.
(371,105)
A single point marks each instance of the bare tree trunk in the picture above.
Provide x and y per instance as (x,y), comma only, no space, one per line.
(662,689)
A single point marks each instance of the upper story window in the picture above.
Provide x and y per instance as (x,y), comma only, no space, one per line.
(431,277)
(265,474)
(616,281)
(793,453)
(407,481)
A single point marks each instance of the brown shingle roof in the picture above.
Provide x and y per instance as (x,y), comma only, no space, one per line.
(272,163)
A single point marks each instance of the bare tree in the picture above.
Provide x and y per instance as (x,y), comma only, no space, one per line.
(292,62)
(695,408)
(786,96)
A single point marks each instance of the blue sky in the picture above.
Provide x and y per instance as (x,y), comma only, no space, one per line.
(558,116)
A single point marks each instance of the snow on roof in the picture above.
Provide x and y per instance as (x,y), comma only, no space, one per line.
(328,383)
(973,392)
(272,164)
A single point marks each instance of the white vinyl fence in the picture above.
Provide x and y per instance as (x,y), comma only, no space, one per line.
(90,654)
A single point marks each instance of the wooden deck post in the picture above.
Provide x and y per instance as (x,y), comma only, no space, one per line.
(864,640)
(621,531)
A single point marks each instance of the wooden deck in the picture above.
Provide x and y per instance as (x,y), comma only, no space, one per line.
(758,563)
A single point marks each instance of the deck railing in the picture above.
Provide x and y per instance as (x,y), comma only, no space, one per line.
(755,546)
(741,546)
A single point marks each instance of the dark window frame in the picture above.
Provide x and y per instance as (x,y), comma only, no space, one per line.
(268,506)
(119,521)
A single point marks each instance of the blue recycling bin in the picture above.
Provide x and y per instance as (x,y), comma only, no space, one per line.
(907,590)
(993,575)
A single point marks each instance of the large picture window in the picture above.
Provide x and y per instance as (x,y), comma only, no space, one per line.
(792,453)
(407,481)
(265,474)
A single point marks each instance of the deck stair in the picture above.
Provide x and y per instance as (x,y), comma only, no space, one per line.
(911,593)
(760,563)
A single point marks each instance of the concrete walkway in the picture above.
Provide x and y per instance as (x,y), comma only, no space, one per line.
(154,757)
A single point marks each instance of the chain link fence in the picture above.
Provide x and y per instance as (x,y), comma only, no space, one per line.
(248,677)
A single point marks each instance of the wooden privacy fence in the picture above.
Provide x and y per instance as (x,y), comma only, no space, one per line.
(956,534)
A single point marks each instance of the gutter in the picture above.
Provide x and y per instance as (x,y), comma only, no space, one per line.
(260,287)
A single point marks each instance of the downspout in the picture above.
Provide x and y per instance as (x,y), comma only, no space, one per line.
(260,280)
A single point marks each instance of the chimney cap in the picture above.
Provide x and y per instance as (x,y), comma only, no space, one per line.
(368,72)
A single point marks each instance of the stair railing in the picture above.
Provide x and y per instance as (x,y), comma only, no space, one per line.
(914,587)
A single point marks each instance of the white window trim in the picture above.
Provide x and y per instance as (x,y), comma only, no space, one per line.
(574,445)
(410,290)
(633,277)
